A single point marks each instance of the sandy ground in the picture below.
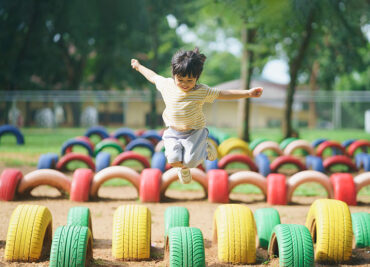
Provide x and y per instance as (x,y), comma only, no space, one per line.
(201,216)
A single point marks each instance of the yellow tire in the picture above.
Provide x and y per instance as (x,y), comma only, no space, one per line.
(131,233)
(231,144)
(29,233)
(234,230)
(330,225)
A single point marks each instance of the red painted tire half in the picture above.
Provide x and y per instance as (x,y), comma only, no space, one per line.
(280,161)
(329,144)
(344,188)
(150,185)
(218,186)
(44,177)
(131,155)
(62,163)
(9,181)
(237,158)
(276,189)
(248,177)
(361,181)
(356,145)
(80,186)
(339,159)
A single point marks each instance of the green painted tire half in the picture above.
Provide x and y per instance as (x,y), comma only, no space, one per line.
(256,142)
(80,216)
(287,141)
(266,219)
(175,216)
(107,143)
(361,229)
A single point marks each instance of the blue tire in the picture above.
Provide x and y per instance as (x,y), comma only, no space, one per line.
(5,129)
(315,163)
(318,141)
(348,142)
(73,142)
(214,139)
(363,161)
(126,133)
(263,164)
(102,161)
(211,165)
(140,142)
(152,134)
(98,130)
(159,161)
(47,161)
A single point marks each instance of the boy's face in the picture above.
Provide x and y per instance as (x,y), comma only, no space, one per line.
(185,83)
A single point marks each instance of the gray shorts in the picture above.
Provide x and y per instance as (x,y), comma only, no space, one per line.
(188,147)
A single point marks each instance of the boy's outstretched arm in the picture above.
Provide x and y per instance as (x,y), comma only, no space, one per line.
(236,94)
(147,73)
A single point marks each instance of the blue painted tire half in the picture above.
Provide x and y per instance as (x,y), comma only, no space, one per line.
(318,141)
(152,134)
(102,161)
(126,133)
(263,164)
(159,161)
(76,142)
(47,161)
(5,129)
(140,142)
(98,130)
(211,165)
(315,163)
(214,139)
(348,142)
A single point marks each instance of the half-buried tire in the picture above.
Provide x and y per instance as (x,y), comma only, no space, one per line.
(174,217)
(80,216)
(361,229)
(266,219)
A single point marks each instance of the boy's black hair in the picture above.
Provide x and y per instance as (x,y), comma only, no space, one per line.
(188,63)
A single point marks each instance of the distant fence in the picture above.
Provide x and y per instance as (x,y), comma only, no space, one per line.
(328,109)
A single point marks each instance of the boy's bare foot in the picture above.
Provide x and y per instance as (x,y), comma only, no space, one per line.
(211,152)
(184,175)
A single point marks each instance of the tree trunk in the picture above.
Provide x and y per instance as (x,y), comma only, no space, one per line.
(294,66)
(153,92)
(248,37)
(312,105)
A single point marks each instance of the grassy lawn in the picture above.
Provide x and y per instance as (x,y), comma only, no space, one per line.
(39,141)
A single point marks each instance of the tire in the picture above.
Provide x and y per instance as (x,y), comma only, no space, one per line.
(131,233)
(62,163)
(361,181)
(76,142)
(140,142)
(126,133)
(214,138)
(335,146)
(159,161)
(102,161)
(97,130)
(108,143)
(359,159)
(186,247)
(280,161)
(152,136)
(292,243)
(283,144)
(314,163)
(230,158)
(256,142)
(80,216)
(263,164)
(9,181)
(47,161)
(248,177)
(267,145)
(150,185)
(218,186)
(266,219)
(348,142)
(10,129)
(276,189)
(363,144)
(329,222)
(80,185)
(344,188)
(318,141)
(72,246)
(361,229)
(339,159)
(299,144)
(235,232)
(211,165)
(233,143)
(29,233)
(175,217)
(131,155)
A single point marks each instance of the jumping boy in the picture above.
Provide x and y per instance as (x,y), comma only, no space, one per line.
(185,139)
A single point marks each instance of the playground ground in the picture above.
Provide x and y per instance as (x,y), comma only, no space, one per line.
(201,216)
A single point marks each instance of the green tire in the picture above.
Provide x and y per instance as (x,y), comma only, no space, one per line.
(71,247)
(186,247)
(286,142)
(80,216)
(266,219)
(361,229)
(175,216)
(107,143)
(256,142)
(292,243)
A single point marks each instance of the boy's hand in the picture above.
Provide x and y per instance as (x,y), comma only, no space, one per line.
(256,92)
(135,64)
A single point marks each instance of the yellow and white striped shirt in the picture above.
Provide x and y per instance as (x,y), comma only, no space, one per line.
(184,110)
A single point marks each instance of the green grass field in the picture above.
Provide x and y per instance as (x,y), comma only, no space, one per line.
(39,141)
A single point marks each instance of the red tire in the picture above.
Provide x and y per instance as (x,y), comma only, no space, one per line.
(218,186)
(332,144)
(276,189)
(62,163)
(339,159)
(9,181)
(344,188)
(150,185)
(80,186)
(129,155)
(279,161)
(356,145)
(237,158)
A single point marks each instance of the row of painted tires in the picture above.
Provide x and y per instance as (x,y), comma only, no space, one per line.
(10,129)
(151,184)
(235,229)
